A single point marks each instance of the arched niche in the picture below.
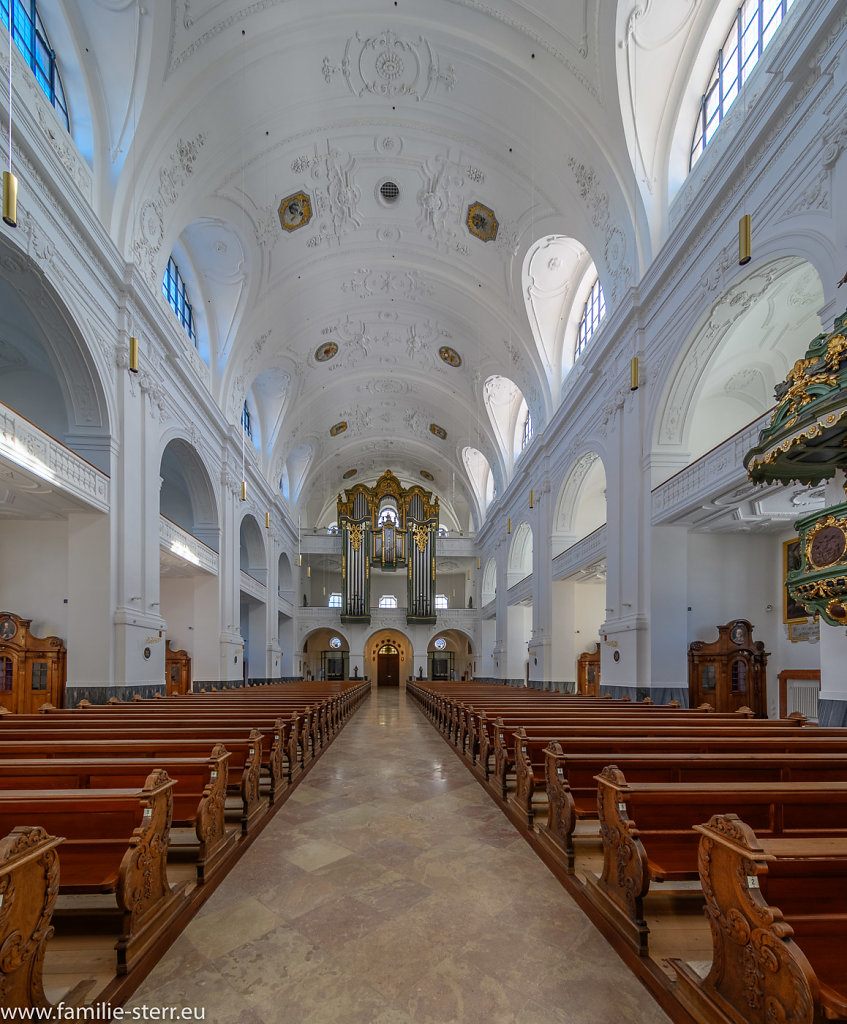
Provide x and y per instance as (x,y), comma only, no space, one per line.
(450,655)
(581,505)
(552,268)
(252,549)
(285,581)
(520,555)
(186,495)
(503,399)
(326,654)
(489,581)
(724,376)
(48,373)
(479,472)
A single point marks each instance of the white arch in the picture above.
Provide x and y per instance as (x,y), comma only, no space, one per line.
(520,555)
(581,505)
(724,375)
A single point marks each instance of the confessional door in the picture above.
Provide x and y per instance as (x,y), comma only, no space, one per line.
(388,666)
(32,668)
(588,673)
(731,672)
(177,671)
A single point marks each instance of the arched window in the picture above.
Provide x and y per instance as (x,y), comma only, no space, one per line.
(245,421)
(388,601)
(753,27)
(173,288)
(31,39)
(440,602)
(334,600)
(527,430)
(592,314)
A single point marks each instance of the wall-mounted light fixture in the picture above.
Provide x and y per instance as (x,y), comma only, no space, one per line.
(133,355)
(633,374)
(532,499)
(744,240)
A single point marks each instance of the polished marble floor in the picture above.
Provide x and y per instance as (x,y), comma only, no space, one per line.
(390,889)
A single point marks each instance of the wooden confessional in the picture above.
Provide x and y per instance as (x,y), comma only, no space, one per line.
(33,669)
(588,673)
(177,671)
(729,673)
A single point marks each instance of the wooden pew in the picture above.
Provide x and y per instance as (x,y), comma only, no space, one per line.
(199,794)
(29,885)
(571,780)
(778,915)
(243,767)
(116,841)
(647,832)
(269,736)
(534,740)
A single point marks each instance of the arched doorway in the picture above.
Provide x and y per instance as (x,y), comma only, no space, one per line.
(388,665)
(388,658)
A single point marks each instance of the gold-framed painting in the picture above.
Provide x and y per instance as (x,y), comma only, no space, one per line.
(792,611)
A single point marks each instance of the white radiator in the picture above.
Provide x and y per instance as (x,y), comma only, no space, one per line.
(802,696)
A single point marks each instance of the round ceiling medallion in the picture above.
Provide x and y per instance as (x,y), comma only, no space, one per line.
(450,356)
(427,475)
(390,191)
(338,428)
(349,473)
(438,431)
(325,352)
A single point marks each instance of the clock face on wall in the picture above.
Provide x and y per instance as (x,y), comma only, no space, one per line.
(7,628)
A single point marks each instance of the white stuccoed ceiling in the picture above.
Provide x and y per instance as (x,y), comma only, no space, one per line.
(206,114)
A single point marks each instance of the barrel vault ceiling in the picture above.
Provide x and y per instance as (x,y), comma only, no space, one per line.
(354,189)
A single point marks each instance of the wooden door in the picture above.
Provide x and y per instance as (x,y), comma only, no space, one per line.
(388,669)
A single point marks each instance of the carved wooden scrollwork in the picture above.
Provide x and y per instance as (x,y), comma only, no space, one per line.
(561,816)
(29,885)
(143,892)
(625,878)
(757,968)
(211,826)
(525,784)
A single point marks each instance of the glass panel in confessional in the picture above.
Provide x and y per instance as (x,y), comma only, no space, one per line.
(707,677)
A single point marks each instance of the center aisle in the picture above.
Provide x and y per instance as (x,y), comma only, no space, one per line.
(390,889)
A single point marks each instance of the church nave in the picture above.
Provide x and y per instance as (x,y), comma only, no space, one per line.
(389,889)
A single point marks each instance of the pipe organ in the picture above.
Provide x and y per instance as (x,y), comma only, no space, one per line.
(387,528)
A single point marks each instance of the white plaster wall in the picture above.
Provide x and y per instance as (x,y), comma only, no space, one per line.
(485,666)
(519,633)
(34,573)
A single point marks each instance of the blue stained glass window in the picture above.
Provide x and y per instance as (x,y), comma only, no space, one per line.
(592,314)
(29,36)
(753,27)
(174,290)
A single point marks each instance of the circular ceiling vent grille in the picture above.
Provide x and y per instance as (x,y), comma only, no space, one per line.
(390,191)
